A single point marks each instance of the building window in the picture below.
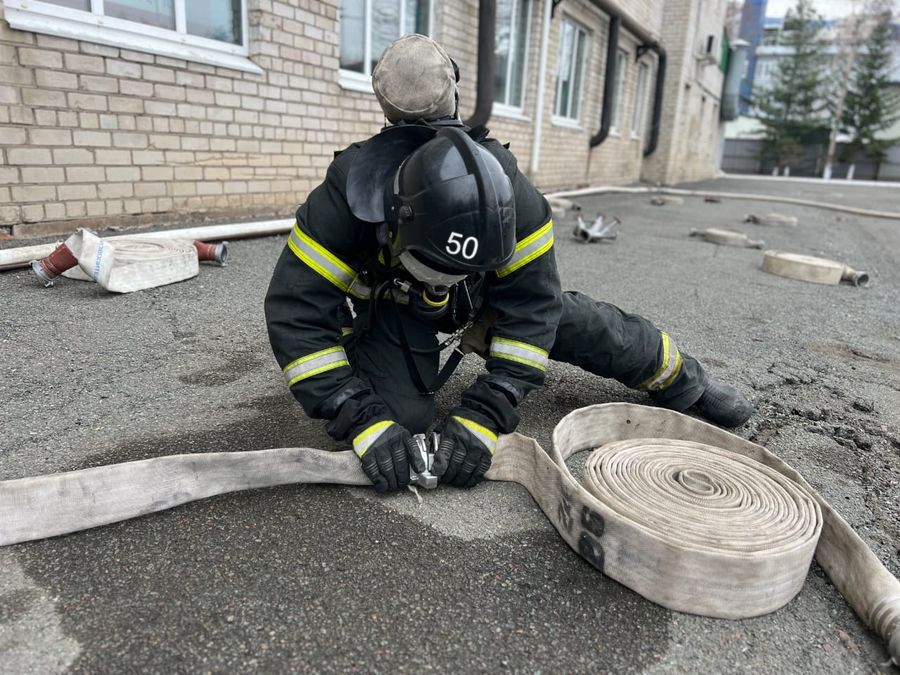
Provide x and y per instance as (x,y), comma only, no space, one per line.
(618,90)
(368,26)
(570,70)
(208,31)
(512,51)
(640,99)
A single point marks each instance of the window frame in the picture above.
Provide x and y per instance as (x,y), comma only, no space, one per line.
(568,120)
(362,82)
(504,108)
(638,114)
(618,92)
(36,16)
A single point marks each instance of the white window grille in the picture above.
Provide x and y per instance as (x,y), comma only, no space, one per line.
(618,91)
(513,22)
(573,52)
(207,31)
(640,99)
(368,26)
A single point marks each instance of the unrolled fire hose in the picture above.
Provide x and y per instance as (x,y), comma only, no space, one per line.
(749,196)
(688,515)
(14,258)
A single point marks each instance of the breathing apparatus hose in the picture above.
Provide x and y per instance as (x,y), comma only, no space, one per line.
(400,339)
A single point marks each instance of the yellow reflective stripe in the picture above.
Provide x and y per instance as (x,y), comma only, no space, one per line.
(533,246)
(668,370)
(314,364)
(368,436)
(320,259)
(346,331)
(482,433)
(520,352)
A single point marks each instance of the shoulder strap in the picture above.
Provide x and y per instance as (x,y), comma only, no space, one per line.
(479,133)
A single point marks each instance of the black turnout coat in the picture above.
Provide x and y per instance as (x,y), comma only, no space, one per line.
(327,260)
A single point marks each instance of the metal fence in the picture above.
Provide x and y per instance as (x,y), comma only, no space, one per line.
(743,156)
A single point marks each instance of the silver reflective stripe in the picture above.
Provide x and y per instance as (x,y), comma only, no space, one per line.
(320,259)
(520,352)
(315,363)
(533,246)
(668,370)
(368,436)
(358,289)
(483,434)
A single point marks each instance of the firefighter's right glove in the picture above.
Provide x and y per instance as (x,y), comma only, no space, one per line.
(466,448)
(385,450)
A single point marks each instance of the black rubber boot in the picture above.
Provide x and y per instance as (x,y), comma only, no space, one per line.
(722,404)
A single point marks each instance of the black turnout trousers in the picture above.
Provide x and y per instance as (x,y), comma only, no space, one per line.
(595,336)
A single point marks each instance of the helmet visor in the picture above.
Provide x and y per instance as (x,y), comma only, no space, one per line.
(428,275)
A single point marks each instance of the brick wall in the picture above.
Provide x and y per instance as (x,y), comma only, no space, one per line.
(105,135)
(691,131)
(92,135)
(566,159)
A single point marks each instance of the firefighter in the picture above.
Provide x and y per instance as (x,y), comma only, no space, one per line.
(427,228)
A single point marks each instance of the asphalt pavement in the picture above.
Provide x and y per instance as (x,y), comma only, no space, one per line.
(334,579)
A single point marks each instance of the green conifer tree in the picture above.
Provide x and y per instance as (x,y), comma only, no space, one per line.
(871,106)
(793,110)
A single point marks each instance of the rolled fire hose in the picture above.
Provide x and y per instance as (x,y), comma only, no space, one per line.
(126,264)
(810,268)
(688,515)
(715,235)
(15,258)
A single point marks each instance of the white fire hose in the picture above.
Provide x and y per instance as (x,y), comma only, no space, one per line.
(686,514)
(679,192)
(16,258)
(126,265)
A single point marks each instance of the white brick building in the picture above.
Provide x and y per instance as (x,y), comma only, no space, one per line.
(130,111)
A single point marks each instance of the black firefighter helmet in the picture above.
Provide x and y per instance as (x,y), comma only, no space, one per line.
(450,209)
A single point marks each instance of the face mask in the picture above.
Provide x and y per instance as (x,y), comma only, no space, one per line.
(426,274)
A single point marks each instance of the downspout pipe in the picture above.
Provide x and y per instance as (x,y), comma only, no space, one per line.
(609,81)
(657,99)
(648,43)
(487,63)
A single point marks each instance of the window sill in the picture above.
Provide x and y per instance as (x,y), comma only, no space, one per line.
(509,112)
(566,123)
(353,81)
(40,17)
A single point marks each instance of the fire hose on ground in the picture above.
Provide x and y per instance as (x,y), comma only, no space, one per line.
(16,258)
(678,192)
(688,515)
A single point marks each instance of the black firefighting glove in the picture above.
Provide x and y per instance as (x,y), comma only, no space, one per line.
(467,446)
(385,450)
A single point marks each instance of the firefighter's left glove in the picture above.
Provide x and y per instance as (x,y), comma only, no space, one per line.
(466,448)
(385,449)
